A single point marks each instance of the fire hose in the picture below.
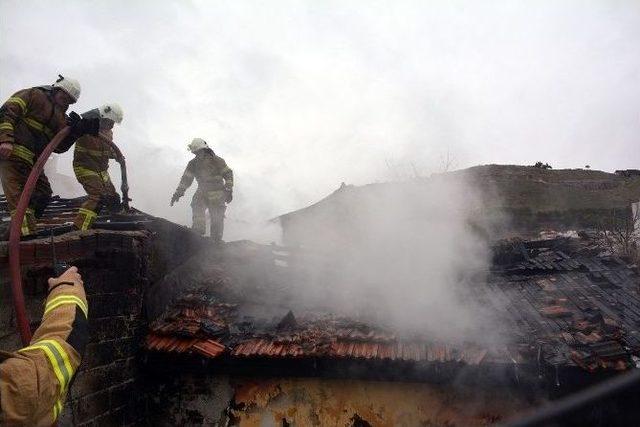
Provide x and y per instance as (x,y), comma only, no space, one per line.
(14,236)
(16,221)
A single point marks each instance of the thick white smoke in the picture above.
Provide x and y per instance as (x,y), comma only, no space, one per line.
(407,254)
(300,96)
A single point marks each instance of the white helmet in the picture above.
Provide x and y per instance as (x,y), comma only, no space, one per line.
(197,144)
(112,112)
(69,85)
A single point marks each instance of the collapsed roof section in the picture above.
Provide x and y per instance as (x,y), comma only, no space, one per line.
(172,243)
(313,336)
(61,212)
(562,304)
(577,307)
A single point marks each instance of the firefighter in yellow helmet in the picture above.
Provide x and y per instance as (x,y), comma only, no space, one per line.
(90,163)
(34,381)
(215,188)
(29,119)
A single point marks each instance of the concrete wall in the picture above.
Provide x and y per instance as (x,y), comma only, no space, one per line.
(218,400)
(188,400)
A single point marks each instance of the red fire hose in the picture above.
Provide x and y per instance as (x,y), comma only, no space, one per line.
(14,236)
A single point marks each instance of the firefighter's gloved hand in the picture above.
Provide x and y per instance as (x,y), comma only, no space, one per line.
(6,149)
(83,126)
(228,194)
(69,277)
(175,198)
(73,119)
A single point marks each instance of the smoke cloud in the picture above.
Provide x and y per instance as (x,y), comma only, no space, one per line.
(300,96)
(404,254)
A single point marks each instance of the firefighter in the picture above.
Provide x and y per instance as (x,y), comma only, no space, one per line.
(34,381)
(29,119)
(90,163)
(215,188)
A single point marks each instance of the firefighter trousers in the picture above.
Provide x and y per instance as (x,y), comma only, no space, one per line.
(214,202)
(101,193)
(14,174)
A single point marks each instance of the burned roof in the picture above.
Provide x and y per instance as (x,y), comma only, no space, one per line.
(312,336)
(564,304)
(576,306)
(109,232)
(61,211)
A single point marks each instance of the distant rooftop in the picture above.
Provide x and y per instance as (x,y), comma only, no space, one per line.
(520,199)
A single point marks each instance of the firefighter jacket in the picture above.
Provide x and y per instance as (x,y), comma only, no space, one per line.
(92,153)
(35,380)
(210,171)
(29,119)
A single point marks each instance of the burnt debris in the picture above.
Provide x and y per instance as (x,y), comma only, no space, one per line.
(561,306)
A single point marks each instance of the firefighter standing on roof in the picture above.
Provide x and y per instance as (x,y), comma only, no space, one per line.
(90,163)
(34,381)
(215,188)
(29,119)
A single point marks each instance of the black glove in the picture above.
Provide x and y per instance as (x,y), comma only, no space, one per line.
(83,126)
(73,120)
(228,195)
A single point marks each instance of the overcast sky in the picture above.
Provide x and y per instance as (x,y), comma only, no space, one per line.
(301,96)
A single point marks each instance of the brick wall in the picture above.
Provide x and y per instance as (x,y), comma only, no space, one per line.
(105,391)
(116,267)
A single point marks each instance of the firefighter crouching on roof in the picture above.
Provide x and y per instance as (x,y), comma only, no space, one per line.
(90,163)
(29,119)
(215,188)
(34,381)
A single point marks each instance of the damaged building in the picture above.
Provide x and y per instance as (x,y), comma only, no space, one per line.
(573,317)
(185,333)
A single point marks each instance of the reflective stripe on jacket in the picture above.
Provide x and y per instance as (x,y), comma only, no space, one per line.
(210,171)
(34,381)
(81,172)
(93,152)
(29,119)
